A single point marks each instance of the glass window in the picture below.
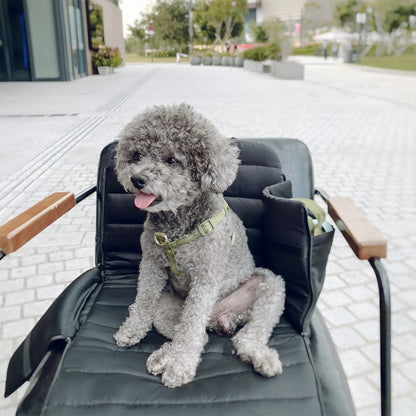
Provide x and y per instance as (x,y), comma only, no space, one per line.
(43,39)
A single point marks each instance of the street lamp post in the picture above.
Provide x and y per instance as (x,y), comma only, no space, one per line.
(360,19)
(191,27)
(151,33)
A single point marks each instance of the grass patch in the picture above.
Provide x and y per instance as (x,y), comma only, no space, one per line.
(405,62)
(132,58)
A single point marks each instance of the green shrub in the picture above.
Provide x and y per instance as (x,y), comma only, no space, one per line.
(101,57)
(260,53)
(274,51)
(307,50)
(167,53)
(115,57)
(106,56)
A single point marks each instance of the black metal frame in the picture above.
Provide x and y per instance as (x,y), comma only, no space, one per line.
(385,334)
(385,325)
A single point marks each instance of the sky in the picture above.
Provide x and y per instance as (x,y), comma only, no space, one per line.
(131,10)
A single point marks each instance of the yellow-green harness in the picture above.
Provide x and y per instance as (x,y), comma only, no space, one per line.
(204,229)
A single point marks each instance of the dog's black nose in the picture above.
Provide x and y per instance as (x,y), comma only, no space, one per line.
(139,180)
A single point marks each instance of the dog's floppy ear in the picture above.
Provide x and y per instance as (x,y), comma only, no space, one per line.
(222,168)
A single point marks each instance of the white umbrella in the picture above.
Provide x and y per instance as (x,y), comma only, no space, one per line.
(334,35)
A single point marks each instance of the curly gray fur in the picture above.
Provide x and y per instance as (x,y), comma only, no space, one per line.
(178,160)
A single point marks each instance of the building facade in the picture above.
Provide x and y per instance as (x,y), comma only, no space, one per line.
(50,40)
(291,11)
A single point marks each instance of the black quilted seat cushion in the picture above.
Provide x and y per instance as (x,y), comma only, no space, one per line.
(96,373)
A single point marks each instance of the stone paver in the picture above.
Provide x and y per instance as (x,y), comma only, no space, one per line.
(358,124)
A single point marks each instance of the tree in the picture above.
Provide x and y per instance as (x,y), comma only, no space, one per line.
(398,16)
(257,32)
(345,13)
(382,10)
(169,19)
(224,16)
(206,31)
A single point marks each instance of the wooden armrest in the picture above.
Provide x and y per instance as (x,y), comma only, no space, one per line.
(364,239)
(27,225)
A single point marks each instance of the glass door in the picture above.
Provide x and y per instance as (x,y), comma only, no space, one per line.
(14,53)
(4,72)
(77,38)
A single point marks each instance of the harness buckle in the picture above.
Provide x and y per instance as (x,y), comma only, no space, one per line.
(207,227)
(161,239)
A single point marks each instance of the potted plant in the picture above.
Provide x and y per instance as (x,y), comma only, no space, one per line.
(115,58)
(101,60)
(105,59)
(195,60)
(216,60)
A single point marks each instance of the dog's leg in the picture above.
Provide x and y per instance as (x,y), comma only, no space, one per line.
(234,310)
(178,360)
(168,313)
(151,282)
(250,343)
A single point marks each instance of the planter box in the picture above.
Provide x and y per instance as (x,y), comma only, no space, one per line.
(287,70)
(195,60)
(206,60)
(255,66)
(239,62)
(225,61)
(104,70)
(282,70)
(216,60)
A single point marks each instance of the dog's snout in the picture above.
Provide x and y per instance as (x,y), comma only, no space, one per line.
(139,180)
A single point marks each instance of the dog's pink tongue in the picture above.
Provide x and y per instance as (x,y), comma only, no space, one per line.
(143,200)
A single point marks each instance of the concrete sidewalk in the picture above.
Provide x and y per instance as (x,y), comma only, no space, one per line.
(358,124)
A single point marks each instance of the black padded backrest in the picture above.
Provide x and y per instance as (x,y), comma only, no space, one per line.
(296,163)
(260,167)
(120,223)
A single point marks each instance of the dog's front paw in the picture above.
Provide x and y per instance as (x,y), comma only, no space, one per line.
(157,361)
(177,374)
(127,335)
(175,369)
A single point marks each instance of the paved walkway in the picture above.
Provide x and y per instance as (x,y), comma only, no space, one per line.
(358,123)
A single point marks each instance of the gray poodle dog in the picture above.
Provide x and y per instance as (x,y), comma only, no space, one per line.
(197,272)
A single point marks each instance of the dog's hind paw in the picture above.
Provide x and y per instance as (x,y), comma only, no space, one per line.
(265,360)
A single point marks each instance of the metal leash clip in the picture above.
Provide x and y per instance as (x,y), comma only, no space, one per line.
(161,239)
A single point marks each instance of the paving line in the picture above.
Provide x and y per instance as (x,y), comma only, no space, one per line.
(12,188)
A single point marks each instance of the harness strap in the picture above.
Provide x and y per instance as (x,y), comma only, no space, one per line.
(204,229)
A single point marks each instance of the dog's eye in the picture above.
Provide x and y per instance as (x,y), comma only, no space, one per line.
(171,161)
(137,156)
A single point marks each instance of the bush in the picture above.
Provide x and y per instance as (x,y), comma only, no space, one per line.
(106,56)
(115,57)
(274,51)
(101,57)
(165,54)
(261,53)
(307,50)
